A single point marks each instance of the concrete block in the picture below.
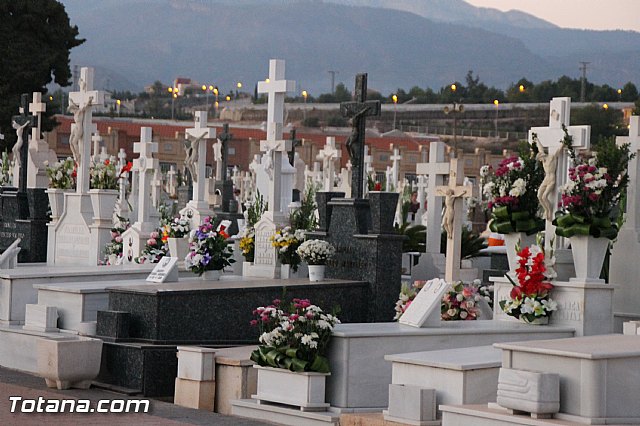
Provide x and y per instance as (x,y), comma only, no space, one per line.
(411,403)
(631,328)
(41,318)
(196,363)
(529,391)
(195,394)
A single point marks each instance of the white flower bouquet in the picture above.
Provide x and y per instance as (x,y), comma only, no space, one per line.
(316,252)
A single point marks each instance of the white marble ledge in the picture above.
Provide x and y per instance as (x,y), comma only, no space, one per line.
(590,347)
(573,283)
(495,416)
(227,282)
(45,270)
(85,287)
(394,329)
(57,335)
(452,359)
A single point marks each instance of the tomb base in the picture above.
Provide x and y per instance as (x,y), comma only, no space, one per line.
(282,414)
(24,216)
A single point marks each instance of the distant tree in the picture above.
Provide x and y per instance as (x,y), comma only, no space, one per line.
(570,87)
(629,93)
(35,40)
(521,91)
(342,94)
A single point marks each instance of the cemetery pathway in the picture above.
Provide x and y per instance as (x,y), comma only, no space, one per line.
(14,383)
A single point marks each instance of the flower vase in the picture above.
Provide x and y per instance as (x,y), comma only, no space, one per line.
(113,259)
(588,256)
(536,321)
(510,242)
(211,275)
(287,273)
(301,389)
(178,247)
(56,202)
(103,202)
(316,272)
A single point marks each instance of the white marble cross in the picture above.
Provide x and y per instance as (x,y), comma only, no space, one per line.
(171,181)
(632,216)
(454,192)
(217,157)
(36,108)
(395,167)
(144,164)
(274,146)
(551,138)
(421,186)
(97,140)
(435,170)
(82,103)
(329,155)
(200,133)
(388,180)
(122,161)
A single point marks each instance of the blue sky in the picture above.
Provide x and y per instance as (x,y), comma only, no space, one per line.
(586,14)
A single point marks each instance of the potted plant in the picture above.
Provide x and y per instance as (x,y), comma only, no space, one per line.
(176,233)
(512,196)
(292,362)
(62,178)
(209,251)
(316,253)
(529,299)
(590,204)
(248,243)
(287,241)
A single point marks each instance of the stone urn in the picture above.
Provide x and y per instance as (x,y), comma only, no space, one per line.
(69,361)
(588,256)
(103,202)
(56,202)
(178,247)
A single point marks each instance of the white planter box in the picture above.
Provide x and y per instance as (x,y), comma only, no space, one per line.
(305,390)
(70,362)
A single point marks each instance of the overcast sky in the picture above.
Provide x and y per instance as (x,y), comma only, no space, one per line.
(588,14)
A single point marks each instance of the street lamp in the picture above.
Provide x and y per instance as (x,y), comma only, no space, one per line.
(174,94)
(207,90)
(215,92)
(497,104)
(605,107)
(454,109)
(118,102)
(620,95)
(304,110)
(395,109)
(238,87)
(521,88)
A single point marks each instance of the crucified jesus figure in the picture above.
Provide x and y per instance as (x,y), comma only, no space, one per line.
(354,138)
(77,131)
(449,212)
(16,148)
(548,185)
(191,149)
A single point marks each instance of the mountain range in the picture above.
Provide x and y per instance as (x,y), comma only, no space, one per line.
(400,43)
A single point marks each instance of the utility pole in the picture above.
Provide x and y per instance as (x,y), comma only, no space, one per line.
(333,80)
(583,88)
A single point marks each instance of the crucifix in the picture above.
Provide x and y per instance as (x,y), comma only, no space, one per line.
(454,192)
(358,111)
(144,164)
(81,104)
(555,160)
(197,154)
(435,171)
(276,87)
(21,123)
(294,143)
(328,155)
(225,137)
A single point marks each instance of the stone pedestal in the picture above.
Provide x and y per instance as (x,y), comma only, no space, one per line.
(324,209)
(72,243)
(587,307)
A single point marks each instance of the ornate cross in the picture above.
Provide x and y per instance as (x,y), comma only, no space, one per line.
(36,108)
(144,164)
(197,156)
(358,111)
(294,143)
(453,193)
(328,155)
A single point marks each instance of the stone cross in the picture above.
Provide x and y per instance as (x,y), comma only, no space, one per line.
(632,221)
(199,135)
(328,155)
(81,103)
(171,181)
(104,155)
(156,188)
(225,137)
(294,143)
(97,140)
(368,169)
(395,168)
(313,176)
(143,164)
(551,138)
(388,178)
(36,108)
(122,161)
(421,186)
(358,111)
(276,87)
(453,193)
(435,170)
(22,124)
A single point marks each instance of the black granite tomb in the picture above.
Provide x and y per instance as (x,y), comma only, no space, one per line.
(224,188)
